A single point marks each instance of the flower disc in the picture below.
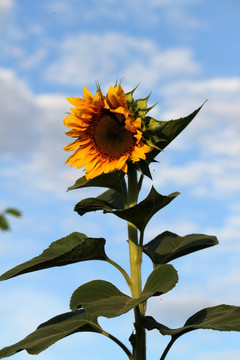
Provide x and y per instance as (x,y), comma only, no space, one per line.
(107,134)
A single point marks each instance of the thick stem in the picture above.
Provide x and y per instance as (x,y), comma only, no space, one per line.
(135,255)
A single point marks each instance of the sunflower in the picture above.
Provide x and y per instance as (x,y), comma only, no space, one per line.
(108,135)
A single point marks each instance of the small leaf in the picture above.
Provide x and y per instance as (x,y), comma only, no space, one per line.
(3,223)
(113,180)
(161,280)
(221,317)
(92,204)
(102,298)
(140,214)
(143,167)
(73,248)
(13,212)
(108,200)
(169,246)
(52,331)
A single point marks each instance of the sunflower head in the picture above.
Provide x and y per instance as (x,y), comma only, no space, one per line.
(108,132)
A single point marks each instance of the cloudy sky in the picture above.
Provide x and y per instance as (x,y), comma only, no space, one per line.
(184,52)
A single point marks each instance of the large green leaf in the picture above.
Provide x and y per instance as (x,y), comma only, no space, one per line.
(103,298)
(140,214)
(52,331)
(68,250)
(169,246)
(113,180)
(221,317)
(160,134)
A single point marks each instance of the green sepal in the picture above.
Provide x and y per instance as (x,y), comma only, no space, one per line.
(71,249)
(129,97)
(102,298)
(140,108)
(140,214)
(113,180)
(169,246)
(221,317)
(108,200)
(52,331)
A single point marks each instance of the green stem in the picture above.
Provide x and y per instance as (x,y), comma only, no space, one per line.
(119,343)
(122,271)
(171,342)
(135,255)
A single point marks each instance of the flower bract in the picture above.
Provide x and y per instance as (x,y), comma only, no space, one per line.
(108,135)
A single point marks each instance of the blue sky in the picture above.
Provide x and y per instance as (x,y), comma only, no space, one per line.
(184,52)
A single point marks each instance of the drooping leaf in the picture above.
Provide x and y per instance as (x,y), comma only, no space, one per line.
(13,212)
(52,331)
(161,133)
(113,180)
(169,246)
(108,200)
(221,317)
(3,223)
(103,298)
(92,204)
(140,214)
(112,197)
(73,248)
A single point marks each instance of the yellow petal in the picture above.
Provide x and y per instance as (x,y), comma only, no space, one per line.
(113,98)
(87,95)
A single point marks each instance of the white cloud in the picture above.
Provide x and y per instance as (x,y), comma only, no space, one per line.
(173,311)
(5,6)
(84,57)
(223,355)
(33,60)
(177,13)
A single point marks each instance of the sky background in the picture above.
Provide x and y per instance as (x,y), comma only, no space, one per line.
(184,52)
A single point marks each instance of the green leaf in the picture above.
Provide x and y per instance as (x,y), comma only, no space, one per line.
(3,223)
(162,133)
(161,280)
(13,212)
(169,246)
(112,197)
(73,248)
(113,180)
(102,298)
(92,204)
(221,317)
(140,214)
(143,167)
(108,200)
(52,331)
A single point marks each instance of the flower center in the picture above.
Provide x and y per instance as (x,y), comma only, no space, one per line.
(110,137)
